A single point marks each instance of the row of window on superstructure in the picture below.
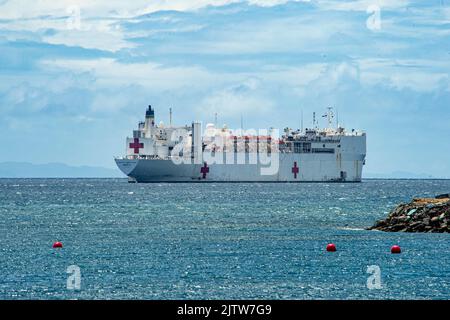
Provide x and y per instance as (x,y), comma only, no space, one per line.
(305,147)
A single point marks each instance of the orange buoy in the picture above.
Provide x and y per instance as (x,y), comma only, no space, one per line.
(57,244)
(396,249)
(331,247)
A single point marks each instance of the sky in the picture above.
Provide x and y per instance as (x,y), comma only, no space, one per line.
(76,76)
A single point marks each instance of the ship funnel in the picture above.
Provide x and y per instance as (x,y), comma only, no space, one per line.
(149,118)
(150,113)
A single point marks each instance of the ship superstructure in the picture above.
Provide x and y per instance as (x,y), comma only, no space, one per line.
(159,153)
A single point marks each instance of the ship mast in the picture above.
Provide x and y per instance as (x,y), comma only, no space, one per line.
(301,120)
(337,118)
(330,117)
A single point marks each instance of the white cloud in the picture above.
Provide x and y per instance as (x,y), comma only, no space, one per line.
(24,9)
(420,75)
(96,35)
(234,93)
(278,35)
(91,30)
(233,104)
(362,5)
(248,96)
(270,3)
(25,96)
(111,73)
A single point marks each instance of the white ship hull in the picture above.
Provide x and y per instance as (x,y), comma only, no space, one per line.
(311,168)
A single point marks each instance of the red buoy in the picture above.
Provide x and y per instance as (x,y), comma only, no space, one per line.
(57,244)
(331,247)
(396,249)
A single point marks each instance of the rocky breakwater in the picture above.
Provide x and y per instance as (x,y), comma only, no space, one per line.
(420,215)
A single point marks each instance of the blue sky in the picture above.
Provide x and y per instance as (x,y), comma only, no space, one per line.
(71,89)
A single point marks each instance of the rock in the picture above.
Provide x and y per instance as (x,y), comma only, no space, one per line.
(420,215)
(434,219)
(443,196)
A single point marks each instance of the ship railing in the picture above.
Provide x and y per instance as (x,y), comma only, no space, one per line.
(143,157)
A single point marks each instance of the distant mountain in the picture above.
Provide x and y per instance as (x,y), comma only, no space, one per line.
(398,175)
(55,170)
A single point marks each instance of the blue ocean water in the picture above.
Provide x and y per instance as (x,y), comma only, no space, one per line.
(214,241)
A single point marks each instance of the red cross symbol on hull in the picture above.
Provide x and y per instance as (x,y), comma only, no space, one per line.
(204,170)
(136,145)
(295,170)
